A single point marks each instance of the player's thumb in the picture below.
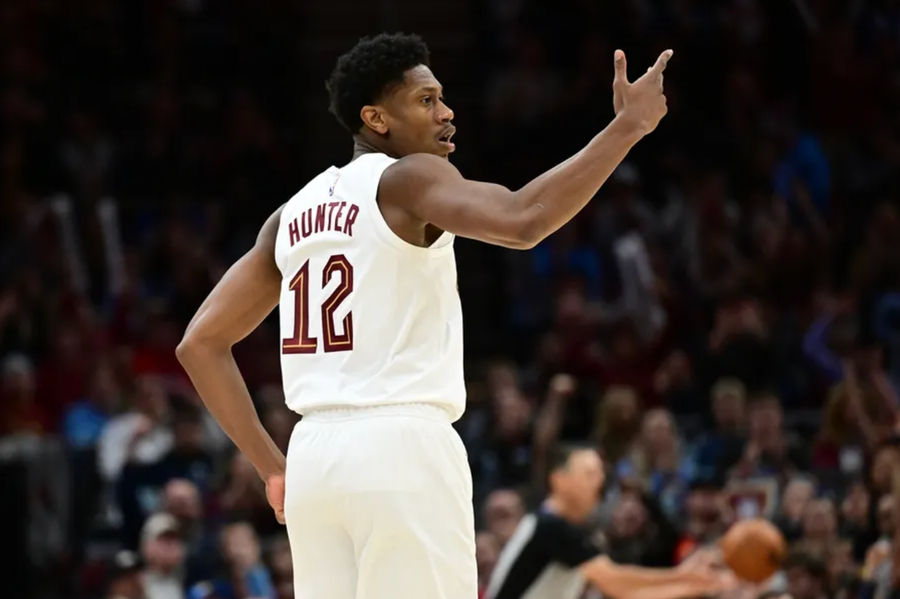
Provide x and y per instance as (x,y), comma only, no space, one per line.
(621,68)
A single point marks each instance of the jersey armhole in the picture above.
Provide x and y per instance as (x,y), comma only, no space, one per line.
(441,245)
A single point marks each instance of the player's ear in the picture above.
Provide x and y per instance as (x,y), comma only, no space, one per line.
(373,118)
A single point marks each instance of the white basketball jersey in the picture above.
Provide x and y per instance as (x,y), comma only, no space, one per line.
(366,318)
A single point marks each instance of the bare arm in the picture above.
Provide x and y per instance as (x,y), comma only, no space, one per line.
(635,582)
(239,302)
(433,191)
(548,424)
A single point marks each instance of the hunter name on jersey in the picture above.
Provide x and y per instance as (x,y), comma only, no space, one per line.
(313,220)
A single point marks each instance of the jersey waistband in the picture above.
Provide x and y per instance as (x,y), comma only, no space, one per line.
(428,411)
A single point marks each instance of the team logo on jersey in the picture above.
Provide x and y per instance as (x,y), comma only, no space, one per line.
(333,185)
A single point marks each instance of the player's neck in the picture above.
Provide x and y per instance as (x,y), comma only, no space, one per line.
(556,506)
(363,144)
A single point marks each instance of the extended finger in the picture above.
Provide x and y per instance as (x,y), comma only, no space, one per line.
(279,515)
(660,65)
(621,67)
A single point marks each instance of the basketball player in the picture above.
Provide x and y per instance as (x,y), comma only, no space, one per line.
(375,489)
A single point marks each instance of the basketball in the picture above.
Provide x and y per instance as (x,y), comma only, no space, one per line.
(753,549)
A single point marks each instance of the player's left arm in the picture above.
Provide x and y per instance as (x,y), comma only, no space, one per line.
(247,293)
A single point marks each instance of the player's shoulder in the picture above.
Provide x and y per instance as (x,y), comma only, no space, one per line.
(552,525)
(419,167)
(269,231)
(547,519)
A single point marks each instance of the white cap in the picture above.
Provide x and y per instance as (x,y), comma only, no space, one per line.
(158,524)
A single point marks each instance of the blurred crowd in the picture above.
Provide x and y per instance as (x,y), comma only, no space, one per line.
(721,321)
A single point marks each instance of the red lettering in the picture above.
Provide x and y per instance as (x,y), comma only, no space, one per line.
(331,206)
(320,218)
(351,218)
(294,231)
(337,217)
(301,342)
(306,223)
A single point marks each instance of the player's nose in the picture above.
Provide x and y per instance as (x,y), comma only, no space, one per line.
(446,115)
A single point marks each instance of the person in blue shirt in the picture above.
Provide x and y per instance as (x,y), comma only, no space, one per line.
(244,574)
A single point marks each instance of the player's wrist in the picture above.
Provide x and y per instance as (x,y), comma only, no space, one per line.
(275,468)
(629,126)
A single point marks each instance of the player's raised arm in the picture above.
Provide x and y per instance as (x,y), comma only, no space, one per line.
(239,302)
(433,191)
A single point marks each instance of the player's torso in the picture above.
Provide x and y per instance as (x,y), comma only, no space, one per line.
(366,318)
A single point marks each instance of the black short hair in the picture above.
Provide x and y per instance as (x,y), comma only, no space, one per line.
(560,454)
(368,70)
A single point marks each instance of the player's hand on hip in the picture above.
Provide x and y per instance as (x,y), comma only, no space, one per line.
(275,495)
(641,102)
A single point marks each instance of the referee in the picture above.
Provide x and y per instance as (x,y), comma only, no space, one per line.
(551,555)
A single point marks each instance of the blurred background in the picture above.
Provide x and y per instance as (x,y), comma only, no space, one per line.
(722,321)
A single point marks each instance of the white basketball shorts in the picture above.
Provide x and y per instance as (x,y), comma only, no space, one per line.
(378,505)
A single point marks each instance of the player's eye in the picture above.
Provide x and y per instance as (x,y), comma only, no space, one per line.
(427,99)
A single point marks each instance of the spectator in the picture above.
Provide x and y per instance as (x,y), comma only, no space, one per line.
(243,495)
(503,509)
(722,446)
(706,518)
(797,495)
(807,577)
(124,580)
(820,528)
(629,361)
(84,421)
(140,485)
(506,458)
(282,567)
(657,463)
(884,463)
(487,550)
(22,413)
(162,551)
(842,569)
(769,451)
(181,498)
(631,532)
(856,519)
(244,575)
(739,343)
(674,383)
(141,435)
(618,423)
(885,517)
(860,413)
(188,457)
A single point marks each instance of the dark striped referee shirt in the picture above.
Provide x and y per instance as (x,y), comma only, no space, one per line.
(541,560)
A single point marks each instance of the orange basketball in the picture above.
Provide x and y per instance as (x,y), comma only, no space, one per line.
(753,549)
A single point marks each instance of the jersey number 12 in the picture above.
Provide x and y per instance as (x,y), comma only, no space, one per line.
(301,342)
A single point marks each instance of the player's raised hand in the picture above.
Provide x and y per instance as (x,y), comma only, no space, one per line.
(641,102)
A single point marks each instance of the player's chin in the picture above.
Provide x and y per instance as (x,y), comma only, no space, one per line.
(444,149)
